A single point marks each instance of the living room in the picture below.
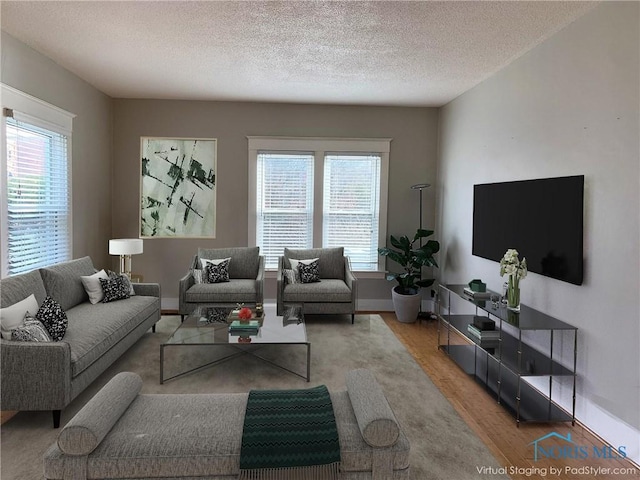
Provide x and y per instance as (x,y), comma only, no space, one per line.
(567,106)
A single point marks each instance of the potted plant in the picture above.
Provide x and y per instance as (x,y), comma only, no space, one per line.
(406,295)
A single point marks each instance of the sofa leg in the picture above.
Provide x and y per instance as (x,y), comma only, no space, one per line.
(56,418)
(153,328)
(181,318)
(353,318)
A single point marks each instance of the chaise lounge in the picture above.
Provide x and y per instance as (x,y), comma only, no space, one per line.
(122,434)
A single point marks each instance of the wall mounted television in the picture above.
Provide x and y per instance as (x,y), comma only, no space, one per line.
(542,219)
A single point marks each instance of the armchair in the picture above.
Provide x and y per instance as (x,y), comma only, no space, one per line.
(245,285)
(335,293)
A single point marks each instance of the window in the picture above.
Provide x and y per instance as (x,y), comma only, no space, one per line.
(36,193)
(285,203)
(314,192)
(351,200)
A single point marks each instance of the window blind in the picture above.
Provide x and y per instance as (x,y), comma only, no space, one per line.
(38,197)
(351,207)
(284,203)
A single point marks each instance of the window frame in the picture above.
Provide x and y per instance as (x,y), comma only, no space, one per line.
(34,111)
(321,147)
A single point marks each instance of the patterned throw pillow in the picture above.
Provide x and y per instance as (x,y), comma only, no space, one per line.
(214,315)
(291,276)
(13,315)
(217,273)
(54,319)
(114,289)
(31,330)
(197,275)
(309,273)
(125,279)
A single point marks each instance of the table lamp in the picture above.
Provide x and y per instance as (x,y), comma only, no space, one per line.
(125,247)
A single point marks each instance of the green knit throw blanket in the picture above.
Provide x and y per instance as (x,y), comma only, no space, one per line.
(290,434)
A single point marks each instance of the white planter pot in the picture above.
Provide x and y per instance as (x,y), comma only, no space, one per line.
(406,307)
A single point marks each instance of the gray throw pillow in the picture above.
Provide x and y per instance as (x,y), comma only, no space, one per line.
(291,276)
(198,276)
(31,330)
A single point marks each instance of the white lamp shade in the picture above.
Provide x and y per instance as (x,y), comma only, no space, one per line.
(125,246)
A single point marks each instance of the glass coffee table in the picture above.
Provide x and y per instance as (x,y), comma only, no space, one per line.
(211,326)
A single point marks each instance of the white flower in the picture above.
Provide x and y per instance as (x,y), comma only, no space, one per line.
(511,255)
(511,265)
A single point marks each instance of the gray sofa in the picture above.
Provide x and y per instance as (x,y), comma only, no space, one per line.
(48,376)
(335,293)
(122,434)
(245,285)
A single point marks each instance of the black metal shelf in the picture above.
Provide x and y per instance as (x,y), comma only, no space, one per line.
(533,362)
(503,365)
(535,406)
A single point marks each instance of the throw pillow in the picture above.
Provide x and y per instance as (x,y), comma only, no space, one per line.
(114,289)
(291,276)
(216,261)
(92,286)
(217,273)
(13,315)
(125,279)
(294,262)
(309,273)
(31,330)
(197,275)
(53,318)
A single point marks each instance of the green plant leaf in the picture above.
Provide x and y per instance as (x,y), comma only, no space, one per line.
(422,233)
(410,259)
(395,242)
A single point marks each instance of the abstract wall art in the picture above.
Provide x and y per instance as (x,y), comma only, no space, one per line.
(178,187)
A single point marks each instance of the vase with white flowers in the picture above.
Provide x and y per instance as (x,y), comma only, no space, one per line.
(517,270)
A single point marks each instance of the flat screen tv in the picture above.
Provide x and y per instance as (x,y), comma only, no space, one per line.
(542,219)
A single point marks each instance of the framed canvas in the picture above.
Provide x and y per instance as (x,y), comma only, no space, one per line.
(178,187)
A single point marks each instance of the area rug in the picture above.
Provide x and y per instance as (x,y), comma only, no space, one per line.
(442,445)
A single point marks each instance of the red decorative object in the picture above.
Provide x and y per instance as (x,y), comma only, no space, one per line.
(244,339)
(245,313)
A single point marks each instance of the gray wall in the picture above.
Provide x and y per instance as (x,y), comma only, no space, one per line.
(568,107)
(31,72)
(412,160)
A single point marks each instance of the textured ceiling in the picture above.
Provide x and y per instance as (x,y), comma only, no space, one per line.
(375,53)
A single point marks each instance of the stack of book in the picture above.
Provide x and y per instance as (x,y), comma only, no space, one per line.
(483,332)
(476,295)
(238,327)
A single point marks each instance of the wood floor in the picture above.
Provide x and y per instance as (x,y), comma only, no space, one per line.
(495,426)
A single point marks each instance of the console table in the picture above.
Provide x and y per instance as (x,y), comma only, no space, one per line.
(508,365)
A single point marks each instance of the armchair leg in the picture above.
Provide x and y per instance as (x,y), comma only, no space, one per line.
(56,418)
(153,328)
(181,318)
(353,318)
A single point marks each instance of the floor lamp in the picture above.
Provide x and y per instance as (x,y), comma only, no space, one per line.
(420,187)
